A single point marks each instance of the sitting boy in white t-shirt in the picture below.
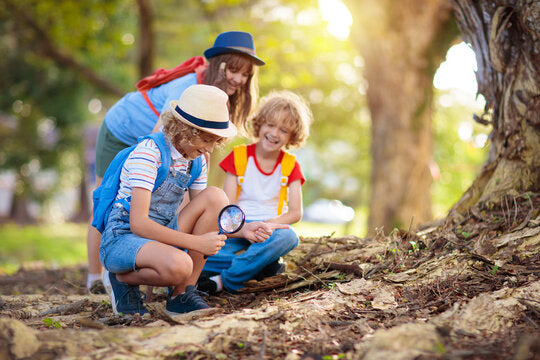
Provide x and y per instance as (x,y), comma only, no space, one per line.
(281,122)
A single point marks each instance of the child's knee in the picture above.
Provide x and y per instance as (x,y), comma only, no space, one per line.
(288,238)
(176,269)
(216,196)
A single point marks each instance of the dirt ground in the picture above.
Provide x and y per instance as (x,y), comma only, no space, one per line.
(466,289)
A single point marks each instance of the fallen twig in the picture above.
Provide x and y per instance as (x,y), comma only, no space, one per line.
(263,346)
(315,276)
(309,255)
(64,309)
(348,268)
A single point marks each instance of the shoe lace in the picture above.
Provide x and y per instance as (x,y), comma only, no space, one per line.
(194,296)
(133,296)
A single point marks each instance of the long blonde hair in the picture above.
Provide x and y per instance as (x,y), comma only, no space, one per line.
(241,103)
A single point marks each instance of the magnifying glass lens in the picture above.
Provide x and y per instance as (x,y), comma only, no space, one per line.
(231,219)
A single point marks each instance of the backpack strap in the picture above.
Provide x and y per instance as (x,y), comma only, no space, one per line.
(240,164)
(161,76)
(195,171)
(144,93)
(163,170)
(165,151)
(287,166)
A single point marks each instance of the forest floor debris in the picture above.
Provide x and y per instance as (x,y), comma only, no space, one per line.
(468,289)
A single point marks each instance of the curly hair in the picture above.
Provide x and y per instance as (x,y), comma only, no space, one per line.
(241,103)
(178,132)
(284,106)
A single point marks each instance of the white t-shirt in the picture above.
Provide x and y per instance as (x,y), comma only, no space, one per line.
(259,196)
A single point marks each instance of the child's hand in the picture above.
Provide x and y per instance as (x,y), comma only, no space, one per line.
(259,231)
(210,243)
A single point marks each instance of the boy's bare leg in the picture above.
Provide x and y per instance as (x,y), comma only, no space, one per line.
(159,265)
(200,217)
(150,289)
(93,240)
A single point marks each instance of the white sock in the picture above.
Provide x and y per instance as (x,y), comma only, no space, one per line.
(91,278)
(217,280)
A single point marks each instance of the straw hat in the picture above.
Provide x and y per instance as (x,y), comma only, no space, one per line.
(204,107)
(235,42)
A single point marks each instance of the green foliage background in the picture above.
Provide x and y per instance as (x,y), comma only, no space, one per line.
(44,107)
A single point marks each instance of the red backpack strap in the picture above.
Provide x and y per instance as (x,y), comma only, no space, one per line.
(161,76)
(144,93)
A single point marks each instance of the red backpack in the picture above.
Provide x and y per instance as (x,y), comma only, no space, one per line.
(161,76)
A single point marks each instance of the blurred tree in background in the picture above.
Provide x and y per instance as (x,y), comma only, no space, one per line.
(403,43)
(44,102)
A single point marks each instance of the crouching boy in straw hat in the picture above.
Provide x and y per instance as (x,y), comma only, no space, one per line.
(144,239)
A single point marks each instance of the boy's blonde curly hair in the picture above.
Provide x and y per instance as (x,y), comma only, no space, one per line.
(284,106)
(178,132)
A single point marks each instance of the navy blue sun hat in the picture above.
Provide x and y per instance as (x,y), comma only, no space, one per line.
(236,42)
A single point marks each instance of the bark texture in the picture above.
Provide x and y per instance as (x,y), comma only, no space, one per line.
(402,43)
(505,36)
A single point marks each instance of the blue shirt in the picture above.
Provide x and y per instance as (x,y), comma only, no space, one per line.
(131,116)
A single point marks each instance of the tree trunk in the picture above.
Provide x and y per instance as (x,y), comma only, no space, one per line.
(505,38)
(83,213)
(402,43)
(146,48)
(19,213)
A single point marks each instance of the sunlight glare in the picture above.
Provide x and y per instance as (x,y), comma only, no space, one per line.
(465,131)
(128,39)
(480,141)
(457,71)
(94,106)
(338,17)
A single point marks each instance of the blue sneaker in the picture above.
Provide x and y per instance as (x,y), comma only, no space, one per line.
(190,300)
(125,298)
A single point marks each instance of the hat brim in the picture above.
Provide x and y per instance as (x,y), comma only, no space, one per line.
(214,51)
(231,131)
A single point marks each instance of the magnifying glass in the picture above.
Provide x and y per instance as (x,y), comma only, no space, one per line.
(230,220)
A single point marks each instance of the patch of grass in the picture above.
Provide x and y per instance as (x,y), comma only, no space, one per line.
(55,244)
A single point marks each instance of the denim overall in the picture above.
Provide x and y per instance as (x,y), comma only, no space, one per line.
(119,246)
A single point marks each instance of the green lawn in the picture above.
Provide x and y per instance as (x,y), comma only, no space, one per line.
(58,244)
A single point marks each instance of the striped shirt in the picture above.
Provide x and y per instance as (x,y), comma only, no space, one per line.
(140,168)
